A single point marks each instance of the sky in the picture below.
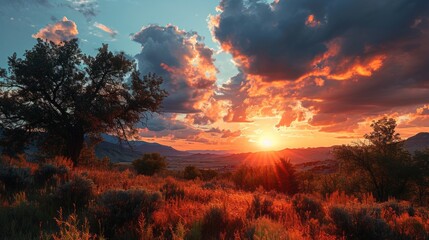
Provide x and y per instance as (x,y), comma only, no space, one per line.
(252,75)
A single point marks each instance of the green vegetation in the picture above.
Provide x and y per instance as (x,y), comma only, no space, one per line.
(150,164)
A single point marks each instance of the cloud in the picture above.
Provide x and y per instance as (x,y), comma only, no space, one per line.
(45,3)
(341,61)
(185,64)
(88,8)
(106,29)
(224,133)
(58,32)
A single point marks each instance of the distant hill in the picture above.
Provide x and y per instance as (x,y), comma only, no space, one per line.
(419,141)
(118,151)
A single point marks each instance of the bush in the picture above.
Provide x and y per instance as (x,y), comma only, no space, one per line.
(75,193)
(172,191)
(50,174)
(260,207)
(342,219)
(369,226)
(119,208)
(15,179)
(150,164)
(214,223)
(279,176)
(191,173)
(265,228)
(308,207)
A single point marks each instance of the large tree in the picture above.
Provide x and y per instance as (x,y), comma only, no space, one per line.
(62,94)
(382,161)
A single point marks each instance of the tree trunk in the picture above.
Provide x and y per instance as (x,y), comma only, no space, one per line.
(75,142)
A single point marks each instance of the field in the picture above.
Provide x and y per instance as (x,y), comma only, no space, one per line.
(55,201)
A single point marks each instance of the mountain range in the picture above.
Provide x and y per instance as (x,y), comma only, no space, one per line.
(127,152)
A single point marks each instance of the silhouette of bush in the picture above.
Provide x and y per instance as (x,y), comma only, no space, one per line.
(279,176)
(15,179)
(150,164)
(117,209)
(172,191)
(214,223)
(361,223)
(369,226)
(75,193)
(191,173)
(260,207)
(342,219)
(50,174)
(308,207)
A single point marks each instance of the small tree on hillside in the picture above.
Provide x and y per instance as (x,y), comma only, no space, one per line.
(191,172)
(150,164)
(382,160)
(63,94)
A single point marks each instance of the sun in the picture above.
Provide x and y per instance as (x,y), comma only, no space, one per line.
(266,142)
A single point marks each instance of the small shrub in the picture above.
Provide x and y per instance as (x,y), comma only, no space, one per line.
(265,228)
(150,164)
(118,208)
(21,221)
(342,219)
(214,223)
(308,207)
(191,173)
(369,226)
(75,193)
(260,207)
(15,179)
(172,191)
(50,174)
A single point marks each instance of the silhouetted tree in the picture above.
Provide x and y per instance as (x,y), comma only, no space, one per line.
(150,164)
(64,94)
(421,175)
(382,160)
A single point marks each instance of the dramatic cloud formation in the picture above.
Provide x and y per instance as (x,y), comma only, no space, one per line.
(106,29)
(186,66)
(58,32)
(340,61)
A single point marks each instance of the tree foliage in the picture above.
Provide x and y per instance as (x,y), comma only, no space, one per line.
(64,94)
(150,164)
(382,160)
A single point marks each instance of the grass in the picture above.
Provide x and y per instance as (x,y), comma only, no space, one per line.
(125,205)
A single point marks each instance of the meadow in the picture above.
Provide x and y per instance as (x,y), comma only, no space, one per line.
(53,200)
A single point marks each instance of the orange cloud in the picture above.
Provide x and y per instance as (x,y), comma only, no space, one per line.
(311,21)
(106,29)
(64,30)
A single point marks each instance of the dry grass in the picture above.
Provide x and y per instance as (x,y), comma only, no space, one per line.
(238,214)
